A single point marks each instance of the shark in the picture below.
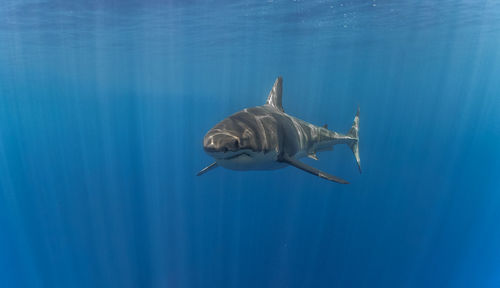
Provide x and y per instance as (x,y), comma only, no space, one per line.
(267,138)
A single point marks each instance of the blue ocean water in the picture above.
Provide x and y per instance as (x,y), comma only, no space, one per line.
(104,105)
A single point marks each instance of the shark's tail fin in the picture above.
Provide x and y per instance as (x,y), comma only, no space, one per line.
(355,144)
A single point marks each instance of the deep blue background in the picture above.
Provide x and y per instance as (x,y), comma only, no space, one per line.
(103,108)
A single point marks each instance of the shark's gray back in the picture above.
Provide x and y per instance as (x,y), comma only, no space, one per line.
(269,129)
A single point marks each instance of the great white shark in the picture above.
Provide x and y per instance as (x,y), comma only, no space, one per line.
(265,138)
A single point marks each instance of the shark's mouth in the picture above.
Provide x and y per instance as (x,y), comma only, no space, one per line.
(237,155)
(226,156)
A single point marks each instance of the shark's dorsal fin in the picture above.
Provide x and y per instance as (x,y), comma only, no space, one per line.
(274,97)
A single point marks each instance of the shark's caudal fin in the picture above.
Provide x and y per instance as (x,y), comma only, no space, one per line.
(355,144)
(274,97)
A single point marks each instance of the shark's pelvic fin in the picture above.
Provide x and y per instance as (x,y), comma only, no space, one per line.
(312,170)
(313,156)
(208,168)
(274,97)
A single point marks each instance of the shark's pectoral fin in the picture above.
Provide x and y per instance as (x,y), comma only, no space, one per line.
(208,168)
(311,170)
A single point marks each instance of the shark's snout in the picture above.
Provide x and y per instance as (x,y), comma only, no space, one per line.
(220,143)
